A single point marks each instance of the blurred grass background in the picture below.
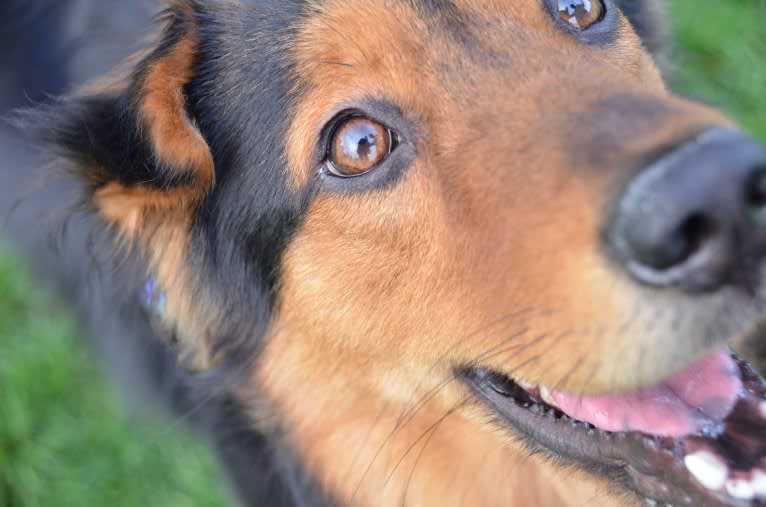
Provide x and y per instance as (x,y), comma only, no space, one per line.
(719,55)
(66,439)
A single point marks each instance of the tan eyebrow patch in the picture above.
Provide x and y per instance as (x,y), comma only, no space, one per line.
(341,59)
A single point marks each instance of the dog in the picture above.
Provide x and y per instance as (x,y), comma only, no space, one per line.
(417,252)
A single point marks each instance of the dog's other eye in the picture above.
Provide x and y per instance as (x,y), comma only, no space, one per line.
(357,146)
(581,14)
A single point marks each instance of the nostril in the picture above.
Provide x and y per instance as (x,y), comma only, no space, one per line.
(682,256)
(697,231)
(696,218)
(679,245)
(755,195)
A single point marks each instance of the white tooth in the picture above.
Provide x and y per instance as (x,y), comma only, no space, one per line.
(708,469)
(759,482)
(547,397)
(740,488)
(762,409)
(650,502)
(526,385)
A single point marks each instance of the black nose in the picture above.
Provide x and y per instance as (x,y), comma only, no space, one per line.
(697,217)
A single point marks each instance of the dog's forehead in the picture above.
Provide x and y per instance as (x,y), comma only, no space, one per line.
(386,25)
(401,50)
(457,45)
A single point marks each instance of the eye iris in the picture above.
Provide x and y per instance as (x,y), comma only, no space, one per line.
(581,14)
(359,145)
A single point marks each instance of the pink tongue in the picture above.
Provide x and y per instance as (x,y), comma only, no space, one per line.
(706,391)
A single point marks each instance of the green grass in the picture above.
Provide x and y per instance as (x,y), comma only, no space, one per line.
(66,440)
(720,56)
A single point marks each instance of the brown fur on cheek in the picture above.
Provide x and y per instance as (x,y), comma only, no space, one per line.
(370,404)
(365,452)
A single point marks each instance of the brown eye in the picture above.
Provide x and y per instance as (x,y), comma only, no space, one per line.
(357,146)
(581,14)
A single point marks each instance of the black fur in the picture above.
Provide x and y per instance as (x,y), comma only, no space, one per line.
(105,131)
(237,248)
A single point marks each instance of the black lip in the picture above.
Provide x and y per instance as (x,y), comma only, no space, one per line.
(650,467)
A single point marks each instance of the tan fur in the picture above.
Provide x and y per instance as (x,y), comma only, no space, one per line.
(176,141)
(162,234)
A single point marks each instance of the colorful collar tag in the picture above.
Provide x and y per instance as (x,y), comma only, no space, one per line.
(153,298)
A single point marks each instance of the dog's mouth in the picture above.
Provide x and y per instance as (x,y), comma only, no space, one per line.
(698,438)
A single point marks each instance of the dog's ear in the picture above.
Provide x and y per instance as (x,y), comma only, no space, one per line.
(144,165)
(649,19)
(133,142)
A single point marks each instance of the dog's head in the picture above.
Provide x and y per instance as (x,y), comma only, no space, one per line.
(422,230)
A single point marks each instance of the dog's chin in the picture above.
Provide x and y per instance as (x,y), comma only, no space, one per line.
(709,452)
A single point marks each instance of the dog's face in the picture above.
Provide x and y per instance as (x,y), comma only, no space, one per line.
(426,229)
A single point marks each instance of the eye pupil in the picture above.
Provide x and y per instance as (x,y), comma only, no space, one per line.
(581,14)
(358,145)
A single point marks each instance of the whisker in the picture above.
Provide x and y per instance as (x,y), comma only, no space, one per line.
(358,454)
(411,408)
(515,348)
(427,434)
